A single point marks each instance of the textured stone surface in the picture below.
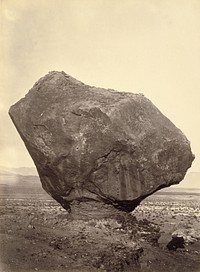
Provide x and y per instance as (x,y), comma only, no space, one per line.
(95,144)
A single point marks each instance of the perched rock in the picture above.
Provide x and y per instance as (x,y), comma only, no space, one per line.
(95,144)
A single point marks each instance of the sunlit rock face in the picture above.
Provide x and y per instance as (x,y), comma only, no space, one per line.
(95,144)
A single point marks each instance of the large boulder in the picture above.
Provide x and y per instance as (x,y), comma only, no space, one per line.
(95,144)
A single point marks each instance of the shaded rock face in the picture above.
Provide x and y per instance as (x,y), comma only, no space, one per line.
(175,243)
(95,144)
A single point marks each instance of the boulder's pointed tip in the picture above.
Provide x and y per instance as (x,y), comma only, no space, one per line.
(58,76)
(10,110)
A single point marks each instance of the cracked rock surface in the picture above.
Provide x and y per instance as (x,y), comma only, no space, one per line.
(99,144)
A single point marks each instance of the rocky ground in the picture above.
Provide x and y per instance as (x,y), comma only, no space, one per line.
(39,235)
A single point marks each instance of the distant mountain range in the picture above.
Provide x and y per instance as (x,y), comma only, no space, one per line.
(28,176)
(21,182)
(24,171)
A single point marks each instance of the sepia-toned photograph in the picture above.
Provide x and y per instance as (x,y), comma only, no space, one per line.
(100,136)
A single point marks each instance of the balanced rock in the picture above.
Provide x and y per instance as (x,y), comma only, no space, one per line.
(95,144)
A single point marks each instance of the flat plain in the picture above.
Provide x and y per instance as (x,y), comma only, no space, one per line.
(37,234)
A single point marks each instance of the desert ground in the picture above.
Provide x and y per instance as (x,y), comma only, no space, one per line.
(37,234)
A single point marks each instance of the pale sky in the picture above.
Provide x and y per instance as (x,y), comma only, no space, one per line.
(150,46)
